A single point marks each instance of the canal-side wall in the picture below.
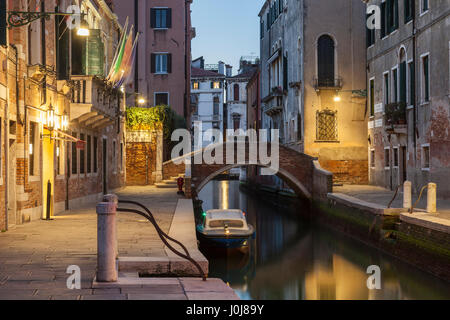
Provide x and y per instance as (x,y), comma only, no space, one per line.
(425,248)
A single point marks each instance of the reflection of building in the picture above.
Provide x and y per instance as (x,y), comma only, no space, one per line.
(408,76)
(52,79)
(313,81)
(207,100)
(162,71)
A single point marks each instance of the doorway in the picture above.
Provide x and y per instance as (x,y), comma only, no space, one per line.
(12,203)
(104,158)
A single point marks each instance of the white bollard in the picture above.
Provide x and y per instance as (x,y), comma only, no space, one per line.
(407,202)
(106,240)
(431,198)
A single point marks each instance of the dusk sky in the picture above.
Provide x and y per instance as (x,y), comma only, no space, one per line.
(226,30)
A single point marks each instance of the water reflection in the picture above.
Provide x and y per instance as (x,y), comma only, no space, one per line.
(291,259)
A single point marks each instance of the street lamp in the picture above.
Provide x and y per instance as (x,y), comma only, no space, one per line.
(50,118)
(83,30)
(141,101)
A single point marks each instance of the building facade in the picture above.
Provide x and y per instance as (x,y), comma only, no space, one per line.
(236,94)
(61,131)
(313,81)
(408,67)
(207,102)
(162,68)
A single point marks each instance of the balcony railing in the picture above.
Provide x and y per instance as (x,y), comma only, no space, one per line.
(325,83)
(395,117)
(94,103)
(206,118)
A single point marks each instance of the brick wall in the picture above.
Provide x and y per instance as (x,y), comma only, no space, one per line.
(141,163)
(347,171)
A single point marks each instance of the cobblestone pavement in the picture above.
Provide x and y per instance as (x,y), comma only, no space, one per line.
(382,196)
(34,257)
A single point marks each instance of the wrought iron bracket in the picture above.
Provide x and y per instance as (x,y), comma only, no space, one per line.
(22,18)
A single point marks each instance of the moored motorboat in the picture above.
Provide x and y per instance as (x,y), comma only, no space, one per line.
(226,228)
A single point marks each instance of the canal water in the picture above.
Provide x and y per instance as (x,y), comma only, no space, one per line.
(291,259)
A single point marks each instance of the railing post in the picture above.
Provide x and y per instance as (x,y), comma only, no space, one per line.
(407,195)
(431,198)
(106,239)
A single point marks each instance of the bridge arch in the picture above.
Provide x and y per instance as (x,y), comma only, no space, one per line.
(300,171)
(292,181)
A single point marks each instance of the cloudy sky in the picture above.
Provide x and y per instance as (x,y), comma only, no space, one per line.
(226,30)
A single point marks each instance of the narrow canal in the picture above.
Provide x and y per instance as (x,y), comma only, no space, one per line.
(291,259)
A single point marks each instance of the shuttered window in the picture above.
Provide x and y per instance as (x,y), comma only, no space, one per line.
(392,15)
(372,97)
(62,47)
(403,82)
(74,155)
(325,56)
(236,92)
(95,51)
(409,5)
(395,84)
(95,154)
(82,155)
(89,154)
(161,63)
(412,83)
(426,78)
(161,18)
(383,20)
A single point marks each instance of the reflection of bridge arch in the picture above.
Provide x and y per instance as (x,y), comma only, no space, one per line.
(300,171)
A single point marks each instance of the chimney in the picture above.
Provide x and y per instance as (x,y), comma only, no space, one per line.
(229,70)
(221,67)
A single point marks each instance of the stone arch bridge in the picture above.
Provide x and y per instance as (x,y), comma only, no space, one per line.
(301,172)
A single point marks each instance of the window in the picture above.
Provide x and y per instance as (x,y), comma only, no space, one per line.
(395,84)
(82,154)
(402,79)
(95,154)
(74,155)
(409,5)
(370,35)
(387,158)
(383,20)
(33,150)
(216,85)
(161,18)
(161,63)
(236,92)
(89,154)
(261,29)
(236,121)
(386,88)
(161,99)
(195,85)
(326,125)
(114,157)
(325,57)
(59,157)
(372,158)
(426,156)
(412,83)
(216,106)
(392,15)
(425,6)
(121,156)
(425,78)
(372,97)
(395,157)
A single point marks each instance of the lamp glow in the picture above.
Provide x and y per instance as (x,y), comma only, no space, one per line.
(83,30)
(50,118)
(337,99)
(141,101)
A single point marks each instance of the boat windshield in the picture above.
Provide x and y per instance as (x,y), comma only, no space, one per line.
(226,223)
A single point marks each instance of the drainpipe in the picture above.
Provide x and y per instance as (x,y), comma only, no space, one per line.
(6,155)
(415,86)
(19,119)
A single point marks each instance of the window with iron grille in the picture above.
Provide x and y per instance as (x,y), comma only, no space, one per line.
(326,125)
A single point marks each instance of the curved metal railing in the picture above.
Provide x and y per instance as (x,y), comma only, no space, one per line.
(163,236)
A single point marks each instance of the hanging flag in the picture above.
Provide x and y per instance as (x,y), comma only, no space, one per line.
(118,51)
(123,59)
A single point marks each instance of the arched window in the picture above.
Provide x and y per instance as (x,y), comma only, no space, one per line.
(325,59)
(236,92)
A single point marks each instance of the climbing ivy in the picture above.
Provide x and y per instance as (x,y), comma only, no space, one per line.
(154,118)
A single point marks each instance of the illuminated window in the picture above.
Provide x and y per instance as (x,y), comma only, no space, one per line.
(196,86)
(216,85)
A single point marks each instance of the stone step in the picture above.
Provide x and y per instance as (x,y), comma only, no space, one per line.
(170,182)
(164,185)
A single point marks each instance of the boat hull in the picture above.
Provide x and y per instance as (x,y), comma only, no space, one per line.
(222,240)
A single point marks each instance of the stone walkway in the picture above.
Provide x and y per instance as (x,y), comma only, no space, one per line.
(34,257)
(382,196)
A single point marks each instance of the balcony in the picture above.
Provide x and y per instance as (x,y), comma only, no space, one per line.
(206,118)
(94,104)
(324,84)
(395,118)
